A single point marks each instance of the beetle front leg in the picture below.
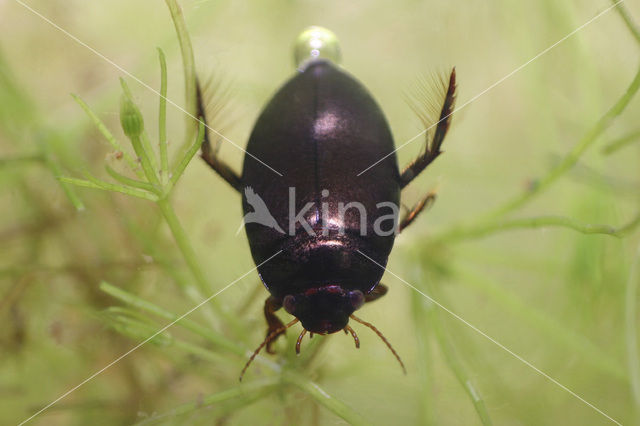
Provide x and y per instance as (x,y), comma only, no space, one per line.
(210,155)
(271,305)
(432,149)
(411,215)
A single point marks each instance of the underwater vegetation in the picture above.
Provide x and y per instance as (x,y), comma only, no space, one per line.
(128,297)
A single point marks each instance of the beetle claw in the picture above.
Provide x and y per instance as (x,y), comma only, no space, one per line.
(348,330)
(304,331)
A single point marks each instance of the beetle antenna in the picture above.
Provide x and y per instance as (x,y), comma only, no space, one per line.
(384,339)
(304,331)
(268,339)
(353,333)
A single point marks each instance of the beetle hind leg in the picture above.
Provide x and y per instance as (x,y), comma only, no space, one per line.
(271,305)
(210,154)
(432,147)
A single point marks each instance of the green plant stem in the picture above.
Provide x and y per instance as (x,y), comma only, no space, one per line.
(188,63)
(249,391)
(323,398)
(135,326)
(455,364)
(186,159)
(616,144)
(203,288)
(106,186)
(107,135)
(570,159)
(146,144)
(631,329)
(17,160)
(189,254)
(138,327)
(420,308)
(53,166)
(147,166)
(549,327)
(491,219)
(624,13)
(483,229)
(162,119)
(205,332)
(132,182)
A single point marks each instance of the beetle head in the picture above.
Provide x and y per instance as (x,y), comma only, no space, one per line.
(324,310)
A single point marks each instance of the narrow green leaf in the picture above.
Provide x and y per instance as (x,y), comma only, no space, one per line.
(245,393)
(55,169)
(133,125)
(631,330)
(182,165)
(541,321)
(131,182)
(188,324)
(454,361)
(616,144)
(479,230)
(102,128)
(323,398)
(188,64)
(106,186)
(162,119)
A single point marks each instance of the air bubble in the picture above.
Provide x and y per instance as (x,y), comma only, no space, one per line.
(316,43)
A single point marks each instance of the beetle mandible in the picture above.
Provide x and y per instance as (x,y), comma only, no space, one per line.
(318,131)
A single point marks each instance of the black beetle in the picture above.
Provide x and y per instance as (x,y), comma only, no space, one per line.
(319,131)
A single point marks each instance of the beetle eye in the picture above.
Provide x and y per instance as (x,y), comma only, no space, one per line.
(289,304)
(357,299)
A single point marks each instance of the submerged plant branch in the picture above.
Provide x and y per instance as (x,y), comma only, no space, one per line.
(162,119)
(186,158)
(55,169)
(17,108)
(455,364)
(106,186)
(127,181)
(420,312)
(624,13)
(616,144)
(204,332)
(541,321)
(481,230)
(249,393)
(102,128)
(572,157)
(19,159)
(492,221)
(323,398)
(188,63)
(631,330)
(151,185)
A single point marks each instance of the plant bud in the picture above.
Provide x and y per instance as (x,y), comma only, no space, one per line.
(130,117)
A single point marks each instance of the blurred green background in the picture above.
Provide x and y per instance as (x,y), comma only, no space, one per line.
(563,300)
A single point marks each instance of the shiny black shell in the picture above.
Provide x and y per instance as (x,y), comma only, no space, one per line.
(319,131)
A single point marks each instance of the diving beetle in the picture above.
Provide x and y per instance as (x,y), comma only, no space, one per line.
(307,153)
